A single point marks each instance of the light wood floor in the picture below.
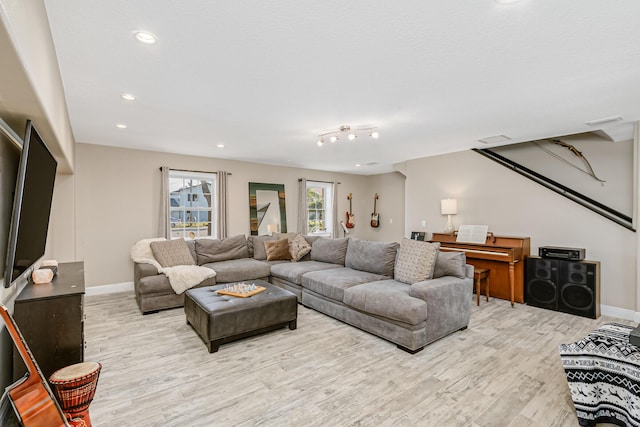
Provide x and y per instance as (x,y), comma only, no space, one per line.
(504,370)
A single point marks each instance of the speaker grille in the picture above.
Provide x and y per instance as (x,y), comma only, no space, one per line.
(542,291)
(577,297)
(562,285)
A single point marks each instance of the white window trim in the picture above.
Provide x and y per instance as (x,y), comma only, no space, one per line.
(209,176)
(328,207)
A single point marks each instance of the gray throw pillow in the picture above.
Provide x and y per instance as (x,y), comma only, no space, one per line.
(215,250)
(416,261)
(373,257)
(329,250)
(256,246)
(170,253)
(450,264)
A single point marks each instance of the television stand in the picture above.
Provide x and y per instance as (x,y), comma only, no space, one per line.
(51,319)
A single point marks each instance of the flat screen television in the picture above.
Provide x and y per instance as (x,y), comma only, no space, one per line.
(31,206)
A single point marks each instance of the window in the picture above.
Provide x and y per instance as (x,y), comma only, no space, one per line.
(320,210)
(192,204)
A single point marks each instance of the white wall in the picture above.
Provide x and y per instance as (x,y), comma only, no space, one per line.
(30,81)
(611,162)
(512,205)
(113,200)
(390,206)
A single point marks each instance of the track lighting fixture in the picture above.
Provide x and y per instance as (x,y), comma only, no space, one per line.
(352,133)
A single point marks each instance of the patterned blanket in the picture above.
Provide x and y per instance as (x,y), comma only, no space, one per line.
(603,372)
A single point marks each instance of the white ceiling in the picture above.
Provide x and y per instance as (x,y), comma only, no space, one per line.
(266,77)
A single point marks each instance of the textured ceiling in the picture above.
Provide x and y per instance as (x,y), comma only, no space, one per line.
(266,77)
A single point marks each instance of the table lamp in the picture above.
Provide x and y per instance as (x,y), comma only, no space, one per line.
(449,207)
(272,228)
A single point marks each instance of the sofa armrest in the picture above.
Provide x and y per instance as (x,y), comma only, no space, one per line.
(469,271)
(143,270)
(448,301)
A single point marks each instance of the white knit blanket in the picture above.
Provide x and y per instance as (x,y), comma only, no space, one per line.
(181,277)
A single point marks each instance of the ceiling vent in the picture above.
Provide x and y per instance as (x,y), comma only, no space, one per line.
(495,139)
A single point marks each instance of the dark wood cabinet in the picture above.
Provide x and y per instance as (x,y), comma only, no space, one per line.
(51,319)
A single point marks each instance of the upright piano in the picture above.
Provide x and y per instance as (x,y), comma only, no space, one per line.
(503,256)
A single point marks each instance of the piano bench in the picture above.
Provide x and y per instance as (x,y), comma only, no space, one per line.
(480,274)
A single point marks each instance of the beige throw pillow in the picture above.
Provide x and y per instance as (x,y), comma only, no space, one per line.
(298,247)
(416,261)
(170,253)
(277,249)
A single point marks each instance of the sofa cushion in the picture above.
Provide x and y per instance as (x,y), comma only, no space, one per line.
(277,249)
(332,283)
(389,299)
(170,253)
(159,284)
(450,264)
(238,270)
(329,250)
(298,247)
(416,260)
(191,244)
(214,250)
(255,244)
(293,271)
(374,257)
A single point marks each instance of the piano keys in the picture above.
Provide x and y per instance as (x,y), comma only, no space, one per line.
(502,256)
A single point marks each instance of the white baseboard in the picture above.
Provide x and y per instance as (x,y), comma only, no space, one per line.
(109,289)
(620,313)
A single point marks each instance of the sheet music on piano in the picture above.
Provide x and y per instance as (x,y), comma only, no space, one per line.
(472,234)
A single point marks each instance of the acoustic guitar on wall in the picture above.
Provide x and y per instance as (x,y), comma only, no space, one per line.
(375,217)
(350,221)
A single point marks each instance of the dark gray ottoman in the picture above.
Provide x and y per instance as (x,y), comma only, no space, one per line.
(220,318)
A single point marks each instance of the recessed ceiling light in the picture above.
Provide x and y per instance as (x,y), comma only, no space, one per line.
(121,126)
(357,165)
(145,37)
(220,145)
(128,97)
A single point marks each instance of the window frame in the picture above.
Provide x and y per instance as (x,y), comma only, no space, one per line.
(327,208)
(189,205)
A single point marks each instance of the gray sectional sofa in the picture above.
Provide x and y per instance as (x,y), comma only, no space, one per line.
(353,280)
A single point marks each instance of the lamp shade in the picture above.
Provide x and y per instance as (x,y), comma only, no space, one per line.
(448,206)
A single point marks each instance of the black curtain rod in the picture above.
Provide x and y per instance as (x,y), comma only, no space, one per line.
(315,180)
(187,170)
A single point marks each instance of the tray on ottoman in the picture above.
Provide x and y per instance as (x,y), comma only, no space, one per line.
(218,319)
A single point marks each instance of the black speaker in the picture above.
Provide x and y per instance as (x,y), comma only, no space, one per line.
(541,278)
(580,288)
(567,286)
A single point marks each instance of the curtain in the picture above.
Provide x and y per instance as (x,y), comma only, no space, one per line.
(335,233)
(303,207)
(223,208)
(164,225)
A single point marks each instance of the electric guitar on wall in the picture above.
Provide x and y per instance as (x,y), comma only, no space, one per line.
(30,396)
(375,217)
(350,221)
